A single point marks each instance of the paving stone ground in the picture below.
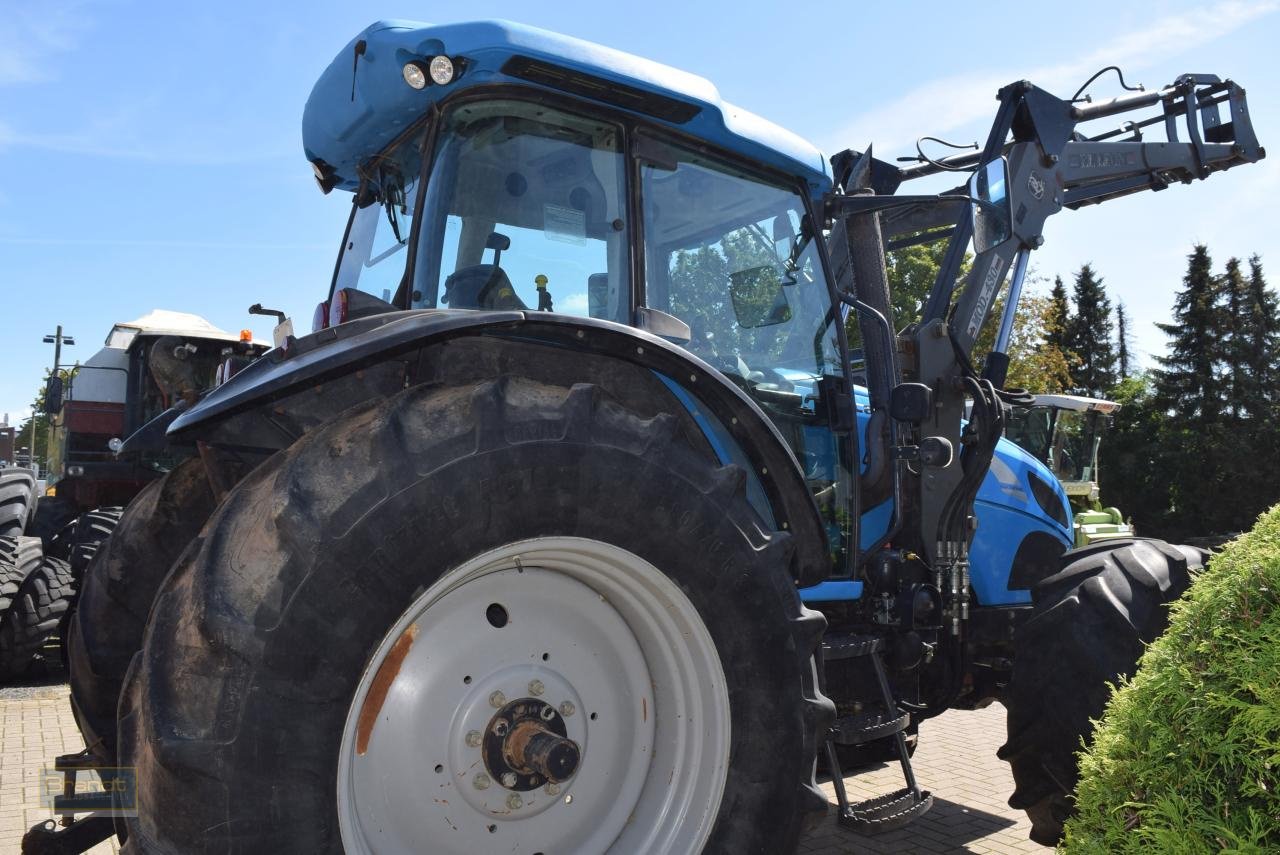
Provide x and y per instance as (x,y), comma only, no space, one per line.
(956,760)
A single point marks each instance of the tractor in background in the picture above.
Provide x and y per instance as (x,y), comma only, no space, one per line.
(1064,433)
(566,528)
(145,367)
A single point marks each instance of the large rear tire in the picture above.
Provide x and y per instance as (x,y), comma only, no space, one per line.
(34,615)
(117,590)
(1090,624)
(317,663)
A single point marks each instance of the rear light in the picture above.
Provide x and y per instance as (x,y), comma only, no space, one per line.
(338,308)
(320,319)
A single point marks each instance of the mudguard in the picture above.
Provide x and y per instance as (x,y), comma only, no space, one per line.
(381,354)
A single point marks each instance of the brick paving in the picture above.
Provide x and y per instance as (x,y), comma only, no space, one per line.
(956,760)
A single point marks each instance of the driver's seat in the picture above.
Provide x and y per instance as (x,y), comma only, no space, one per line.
(481,286)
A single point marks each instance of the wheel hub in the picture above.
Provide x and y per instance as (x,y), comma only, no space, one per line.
(525,746)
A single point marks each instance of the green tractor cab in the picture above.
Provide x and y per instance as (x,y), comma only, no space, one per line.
(1064,432)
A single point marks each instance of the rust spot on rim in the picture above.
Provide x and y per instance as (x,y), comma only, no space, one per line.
(387,673)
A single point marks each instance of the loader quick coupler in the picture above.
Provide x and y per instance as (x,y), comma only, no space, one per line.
(525,746)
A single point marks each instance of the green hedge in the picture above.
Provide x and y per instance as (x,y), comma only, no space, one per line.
(1187,755)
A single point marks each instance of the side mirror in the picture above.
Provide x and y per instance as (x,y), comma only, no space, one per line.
(53,395)
(758,298)
(993,212)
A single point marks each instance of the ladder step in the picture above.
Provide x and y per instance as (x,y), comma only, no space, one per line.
(868,727)
(835,646)
(887,812)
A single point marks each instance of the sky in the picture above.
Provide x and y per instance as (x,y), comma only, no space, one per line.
(151,152)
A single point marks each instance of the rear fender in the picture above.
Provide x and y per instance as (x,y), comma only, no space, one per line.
(269,404)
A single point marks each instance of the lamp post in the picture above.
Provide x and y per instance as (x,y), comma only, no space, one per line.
(57,339)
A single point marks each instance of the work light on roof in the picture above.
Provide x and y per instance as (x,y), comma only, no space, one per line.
(441,70)
(415,74)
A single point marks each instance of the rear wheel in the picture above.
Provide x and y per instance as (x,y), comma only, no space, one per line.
(556,618)
(1090,624)
(105,629)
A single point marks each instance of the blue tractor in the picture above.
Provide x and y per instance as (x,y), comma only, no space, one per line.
(603,499)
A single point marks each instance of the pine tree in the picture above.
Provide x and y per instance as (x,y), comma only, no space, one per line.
(1088,335)
(1262,356)
(1058,317)
(1122,343)
(1238,338)
(1187,383)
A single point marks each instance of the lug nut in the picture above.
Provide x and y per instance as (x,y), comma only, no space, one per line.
(514,801)
(481,781)
(509,780)
(474,738)
(552,788)
(497,699)
(536,688)
(567,709)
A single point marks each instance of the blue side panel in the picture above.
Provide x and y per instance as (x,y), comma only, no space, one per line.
(832,591)
(1007,511)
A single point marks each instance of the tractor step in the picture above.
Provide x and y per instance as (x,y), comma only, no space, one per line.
(901,806)
(868,727)
(886,812)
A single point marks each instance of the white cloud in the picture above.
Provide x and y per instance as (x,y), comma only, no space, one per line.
(573,304)
(948,103)
(32,34)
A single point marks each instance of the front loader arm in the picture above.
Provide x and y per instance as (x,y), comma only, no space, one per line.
(1052,164)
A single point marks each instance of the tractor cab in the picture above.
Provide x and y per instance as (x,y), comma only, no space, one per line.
(145,367)
(1064,432)
(683,216)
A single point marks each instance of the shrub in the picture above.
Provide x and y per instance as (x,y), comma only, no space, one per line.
(1186,757)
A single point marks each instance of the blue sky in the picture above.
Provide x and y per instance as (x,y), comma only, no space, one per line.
(151,153)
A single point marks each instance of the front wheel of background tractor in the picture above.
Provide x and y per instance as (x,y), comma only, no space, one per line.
(400,632)
(116,591)
(18,557)
(1089,626)
(92,527)
(34,615)
(50,523)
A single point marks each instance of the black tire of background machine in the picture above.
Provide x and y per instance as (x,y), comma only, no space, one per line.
(1089,626)
(105,629)
(18,557)
(92,527)
(52,518)
(34,615)
(17,492)
(332,510)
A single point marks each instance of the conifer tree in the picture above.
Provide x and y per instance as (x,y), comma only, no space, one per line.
(1059,315)
(1088,335)
(1188,381)
(1262,358)
(1123,337)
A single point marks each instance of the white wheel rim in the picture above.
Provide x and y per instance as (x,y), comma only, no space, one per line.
(630,670)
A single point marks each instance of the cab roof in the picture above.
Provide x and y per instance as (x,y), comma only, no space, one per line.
(361,102)
(159,322)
